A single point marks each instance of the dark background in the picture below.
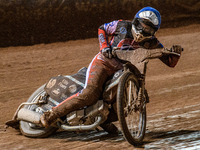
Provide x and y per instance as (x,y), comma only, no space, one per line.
(28,22)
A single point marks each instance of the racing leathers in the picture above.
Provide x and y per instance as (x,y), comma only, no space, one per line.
(113,34)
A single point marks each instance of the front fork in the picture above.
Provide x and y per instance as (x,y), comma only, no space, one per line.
(143,97)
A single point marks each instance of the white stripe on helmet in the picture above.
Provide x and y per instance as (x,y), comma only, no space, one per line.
(149,15)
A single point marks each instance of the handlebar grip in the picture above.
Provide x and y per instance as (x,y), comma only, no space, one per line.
(168,51)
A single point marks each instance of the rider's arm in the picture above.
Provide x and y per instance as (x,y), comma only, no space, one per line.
(104,31)
(169,60)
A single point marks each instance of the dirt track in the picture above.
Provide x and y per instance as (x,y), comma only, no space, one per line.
(173,111)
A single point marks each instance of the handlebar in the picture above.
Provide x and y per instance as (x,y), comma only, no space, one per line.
(144,53)
(140,57)
(168,51)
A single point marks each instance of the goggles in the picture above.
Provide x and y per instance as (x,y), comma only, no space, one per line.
(143,28)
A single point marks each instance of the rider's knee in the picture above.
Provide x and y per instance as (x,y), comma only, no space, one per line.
(90,95)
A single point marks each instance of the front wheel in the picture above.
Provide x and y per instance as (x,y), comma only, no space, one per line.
(30,129)
(131,115)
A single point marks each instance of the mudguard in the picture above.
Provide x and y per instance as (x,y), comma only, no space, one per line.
(110,89)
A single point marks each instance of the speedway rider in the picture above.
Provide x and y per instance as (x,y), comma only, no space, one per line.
(138,33)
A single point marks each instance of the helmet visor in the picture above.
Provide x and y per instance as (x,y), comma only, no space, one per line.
(143,28)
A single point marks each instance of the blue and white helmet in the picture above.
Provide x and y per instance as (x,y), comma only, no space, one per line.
(145,23)
(150,14)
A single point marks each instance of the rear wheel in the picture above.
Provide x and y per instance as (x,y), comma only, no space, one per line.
(132,116)
(33,130)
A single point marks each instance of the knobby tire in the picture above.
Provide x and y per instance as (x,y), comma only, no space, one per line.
(121,95)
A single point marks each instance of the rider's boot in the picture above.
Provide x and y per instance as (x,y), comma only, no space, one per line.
(48,118)
(110,128)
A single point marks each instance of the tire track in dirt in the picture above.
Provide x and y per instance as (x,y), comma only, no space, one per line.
(175,129)
(174,75)
(164,131)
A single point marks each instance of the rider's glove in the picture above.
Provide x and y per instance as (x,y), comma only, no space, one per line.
(107,52)
(177,49)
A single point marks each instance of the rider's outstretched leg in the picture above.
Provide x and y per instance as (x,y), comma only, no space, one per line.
(95,78)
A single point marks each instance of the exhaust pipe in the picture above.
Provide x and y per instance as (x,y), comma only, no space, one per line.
(28,116)
(82,127)
(34,117)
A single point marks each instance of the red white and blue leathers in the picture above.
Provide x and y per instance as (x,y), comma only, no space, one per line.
(114,34)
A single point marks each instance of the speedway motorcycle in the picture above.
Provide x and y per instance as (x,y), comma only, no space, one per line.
(124,93)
